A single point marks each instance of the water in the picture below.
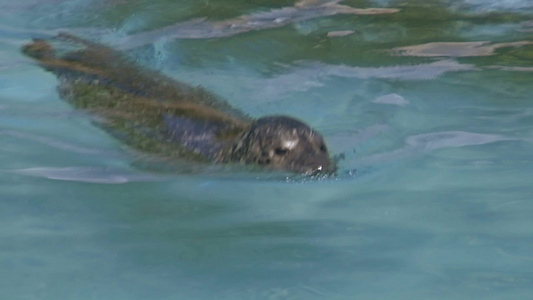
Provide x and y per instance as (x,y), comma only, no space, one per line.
(431,106)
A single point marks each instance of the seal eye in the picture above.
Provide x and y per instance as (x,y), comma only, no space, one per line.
(280,151)
(323,148)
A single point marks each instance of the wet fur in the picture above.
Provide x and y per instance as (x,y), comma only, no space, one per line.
(156,114)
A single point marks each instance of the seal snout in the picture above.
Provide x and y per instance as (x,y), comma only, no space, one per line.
(321,165)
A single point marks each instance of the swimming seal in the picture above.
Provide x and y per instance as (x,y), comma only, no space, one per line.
(155,114)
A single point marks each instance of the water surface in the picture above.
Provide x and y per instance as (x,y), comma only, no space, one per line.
(429,101)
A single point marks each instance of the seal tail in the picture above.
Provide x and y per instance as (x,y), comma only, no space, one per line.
(66,52)
(39,49)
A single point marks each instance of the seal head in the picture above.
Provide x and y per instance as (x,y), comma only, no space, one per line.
(283,143)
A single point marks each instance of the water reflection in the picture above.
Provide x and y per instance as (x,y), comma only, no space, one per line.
(456,49)
(444,213)
(86,174)
(419,144)
(202,28)
(307,75)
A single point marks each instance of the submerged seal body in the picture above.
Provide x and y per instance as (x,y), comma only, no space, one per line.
(155,114)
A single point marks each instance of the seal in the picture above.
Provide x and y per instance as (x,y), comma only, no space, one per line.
(158,115)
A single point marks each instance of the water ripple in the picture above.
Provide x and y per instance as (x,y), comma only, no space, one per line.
(85,174)
(436,140)
(58,144)
(203,29)
(455,49)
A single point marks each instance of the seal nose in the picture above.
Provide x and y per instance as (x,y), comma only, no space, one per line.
(316,171)
(322,168)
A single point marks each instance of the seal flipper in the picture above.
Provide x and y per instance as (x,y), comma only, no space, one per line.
(206,138)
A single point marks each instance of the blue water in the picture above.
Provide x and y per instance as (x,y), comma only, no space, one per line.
(430,102)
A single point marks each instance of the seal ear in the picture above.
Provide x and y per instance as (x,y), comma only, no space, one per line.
(199,136)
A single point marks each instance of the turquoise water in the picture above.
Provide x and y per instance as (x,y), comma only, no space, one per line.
(431,104)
